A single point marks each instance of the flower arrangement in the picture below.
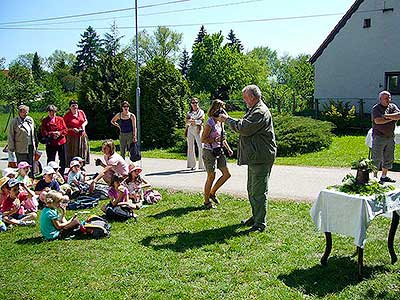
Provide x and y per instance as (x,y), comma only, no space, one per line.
(364,164)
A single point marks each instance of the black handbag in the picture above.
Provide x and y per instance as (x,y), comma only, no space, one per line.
(134,152)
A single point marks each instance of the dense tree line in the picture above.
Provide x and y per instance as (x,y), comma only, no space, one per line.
(101,74)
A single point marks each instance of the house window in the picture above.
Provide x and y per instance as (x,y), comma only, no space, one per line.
(367,23)
(392,80)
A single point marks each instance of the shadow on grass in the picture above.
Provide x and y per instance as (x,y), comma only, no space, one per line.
(395,167)
(182,241)
(319,280)
(173,172)
(31,241)
(176,212)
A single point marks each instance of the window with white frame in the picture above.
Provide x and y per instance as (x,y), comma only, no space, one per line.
(392,80)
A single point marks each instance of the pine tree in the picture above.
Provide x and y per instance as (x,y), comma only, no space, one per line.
(89,51)
(111,41)
(200,36)
(37,71)
(184,63)
(234,42)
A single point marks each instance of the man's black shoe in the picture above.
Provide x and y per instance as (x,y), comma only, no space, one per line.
(386,179)
(247,222)
(256,228)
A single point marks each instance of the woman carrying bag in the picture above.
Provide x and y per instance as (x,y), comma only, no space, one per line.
(126,123)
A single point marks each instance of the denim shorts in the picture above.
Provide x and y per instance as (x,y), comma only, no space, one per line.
(209,160)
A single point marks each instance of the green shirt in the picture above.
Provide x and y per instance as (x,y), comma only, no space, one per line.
(47,228)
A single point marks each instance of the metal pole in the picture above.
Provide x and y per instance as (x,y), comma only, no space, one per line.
(137,78)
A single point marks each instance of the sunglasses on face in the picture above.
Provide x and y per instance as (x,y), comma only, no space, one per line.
(125,106)
(195,102)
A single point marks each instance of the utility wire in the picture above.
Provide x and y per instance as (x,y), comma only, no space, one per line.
(181,25)
(93,13)
(150,14)
(194,24)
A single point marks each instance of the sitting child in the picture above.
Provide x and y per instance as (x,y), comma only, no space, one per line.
(76,179)
(22,175)
(52,224)
(46,184)
(65,188)
(12,208)
(119,194)
(135,184)
(9,172)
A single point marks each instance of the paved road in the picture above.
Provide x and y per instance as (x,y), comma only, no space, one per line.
(286,182)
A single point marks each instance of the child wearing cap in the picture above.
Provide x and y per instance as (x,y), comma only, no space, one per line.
(46,184)
(57,176)
(135,183)
(76,179)
(13,209)
(10,172)
(54,225)
(22,175)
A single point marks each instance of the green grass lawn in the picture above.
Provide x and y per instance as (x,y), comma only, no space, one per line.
(177,250)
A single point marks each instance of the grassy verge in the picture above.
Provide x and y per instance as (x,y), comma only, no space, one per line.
(179,251)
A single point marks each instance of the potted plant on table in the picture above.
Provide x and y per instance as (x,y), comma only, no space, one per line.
(364,166)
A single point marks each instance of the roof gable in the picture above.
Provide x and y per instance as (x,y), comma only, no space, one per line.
(336,30)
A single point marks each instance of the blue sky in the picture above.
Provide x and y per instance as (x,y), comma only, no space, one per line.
(286,36)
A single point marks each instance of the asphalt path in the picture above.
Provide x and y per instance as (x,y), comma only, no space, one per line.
(286,182)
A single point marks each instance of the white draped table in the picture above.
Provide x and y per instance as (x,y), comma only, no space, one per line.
(351,215)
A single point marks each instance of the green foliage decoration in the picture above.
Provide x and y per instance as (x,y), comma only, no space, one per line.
(372,188)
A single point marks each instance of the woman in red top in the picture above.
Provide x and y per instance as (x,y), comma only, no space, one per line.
(77,141)
(54,130)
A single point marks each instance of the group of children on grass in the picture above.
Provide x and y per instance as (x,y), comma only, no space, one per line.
(21,198)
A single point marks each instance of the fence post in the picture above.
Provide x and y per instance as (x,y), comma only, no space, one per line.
(361,113)
(316,103)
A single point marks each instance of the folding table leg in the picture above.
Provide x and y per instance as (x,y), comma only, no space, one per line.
(328,248)
(391,235)
(360,252)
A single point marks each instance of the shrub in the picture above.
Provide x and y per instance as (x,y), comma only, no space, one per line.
(298,135)
(340,113)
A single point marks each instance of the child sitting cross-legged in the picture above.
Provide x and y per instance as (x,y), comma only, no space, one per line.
(22,174)
(119,195)
(135,183)
(46,184)
(76,179)
(54,225)
(12,208)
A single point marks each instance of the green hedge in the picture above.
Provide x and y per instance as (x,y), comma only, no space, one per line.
(298,135)
(294,135)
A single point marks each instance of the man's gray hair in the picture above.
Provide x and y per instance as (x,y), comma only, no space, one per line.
(252,90)
(383,93)
(23,107)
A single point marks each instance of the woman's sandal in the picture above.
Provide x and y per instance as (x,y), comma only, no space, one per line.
(214,199)
(208,205)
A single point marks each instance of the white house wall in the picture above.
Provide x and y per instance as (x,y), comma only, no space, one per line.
(353,65)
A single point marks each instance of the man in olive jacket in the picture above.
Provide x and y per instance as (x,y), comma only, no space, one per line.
(257,149)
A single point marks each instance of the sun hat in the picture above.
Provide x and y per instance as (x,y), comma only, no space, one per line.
(13,182)
(53,164)
(3,181)
(134,168)
(48,170)
(23,164)
(78,158)
(8,171)
(74,163)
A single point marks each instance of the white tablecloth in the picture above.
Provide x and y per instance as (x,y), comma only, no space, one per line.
(368,138)
(350,215)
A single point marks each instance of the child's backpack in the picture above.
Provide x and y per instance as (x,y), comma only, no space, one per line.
(119,213)
(96,227)
(101,192)
(151,196)
(83,202)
